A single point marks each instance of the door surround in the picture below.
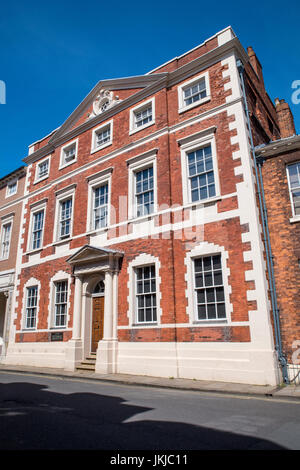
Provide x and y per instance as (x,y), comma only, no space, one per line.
(89,266)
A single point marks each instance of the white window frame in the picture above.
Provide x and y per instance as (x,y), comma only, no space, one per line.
(94,182)
(137,322)
(64,164)
(37,178)
(14,183)
(55,316)
(205,288)
(34,210)
(192,144)
(201,251)
(136,164)
(132,125)
(32,282)
(60,276)
(4,222)
(61,196)
(94,147)
(143,260)
(294,216)
(181,104)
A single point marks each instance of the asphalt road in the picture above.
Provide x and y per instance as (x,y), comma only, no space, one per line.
(38,413)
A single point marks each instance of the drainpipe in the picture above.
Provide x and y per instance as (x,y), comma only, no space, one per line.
(267,242)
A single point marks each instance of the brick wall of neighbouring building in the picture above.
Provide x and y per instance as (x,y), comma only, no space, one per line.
(285,242)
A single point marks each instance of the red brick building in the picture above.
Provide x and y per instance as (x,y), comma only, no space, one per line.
(142,243)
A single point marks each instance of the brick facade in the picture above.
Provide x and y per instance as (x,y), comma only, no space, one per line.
(238,347)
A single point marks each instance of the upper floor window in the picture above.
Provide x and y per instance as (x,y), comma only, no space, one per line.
(100,206)
(5,240)
(42,169)
(65,218)
(142,116)
(102,136)
(199,167)
(209,288)
(68,154)
(193,92)
(37,230)
(294,185)
(201,174)
(11,188)
(144,191)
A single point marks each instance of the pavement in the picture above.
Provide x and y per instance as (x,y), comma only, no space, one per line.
(284,391)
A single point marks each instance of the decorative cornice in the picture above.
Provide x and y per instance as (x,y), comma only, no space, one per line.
(198,135)
(151,84)
(279,146)
(100,174)
(18,173)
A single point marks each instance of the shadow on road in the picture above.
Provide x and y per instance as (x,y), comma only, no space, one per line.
(33,417)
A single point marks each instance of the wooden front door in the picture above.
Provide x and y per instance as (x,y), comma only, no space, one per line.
(98,321)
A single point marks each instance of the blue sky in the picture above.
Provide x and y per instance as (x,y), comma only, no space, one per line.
(52,54)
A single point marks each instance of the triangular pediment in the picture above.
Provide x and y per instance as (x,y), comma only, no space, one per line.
(90,253)
(106,95)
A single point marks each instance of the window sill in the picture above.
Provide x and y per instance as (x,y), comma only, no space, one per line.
(133,131)
(33,252)
(67,164)
(203,202)
(142,218)
(210,322)
(61,242)
(293,220)
(142,325)
(101,147)
(97,231)
(193,105)
(41,179)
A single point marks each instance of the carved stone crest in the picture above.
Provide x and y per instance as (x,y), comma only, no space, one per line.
(103,101)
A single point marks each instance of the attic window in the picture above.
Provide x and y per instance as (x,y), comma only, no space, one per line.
(68,154)
(142,116)
(102,136)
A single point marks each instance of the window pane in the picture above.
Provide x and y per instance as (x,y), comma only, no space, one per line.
(201,312)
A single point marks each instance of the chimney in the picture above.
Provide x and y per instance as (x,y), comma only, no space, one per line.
(255,64)
(285,119)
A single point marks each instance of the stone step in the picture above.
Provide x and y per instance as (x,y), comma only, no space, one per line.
(89,363)
(86,367)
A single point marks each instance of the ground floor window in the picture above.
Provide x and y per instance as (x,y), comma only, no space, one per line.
(31,306)
(61,299)
(209,288)
(146,294)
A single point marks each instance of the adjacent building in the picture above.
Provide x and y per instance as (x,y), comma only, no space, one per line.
(279,164)
(12,188)
(141,247)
